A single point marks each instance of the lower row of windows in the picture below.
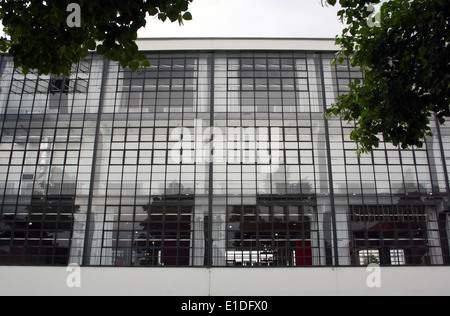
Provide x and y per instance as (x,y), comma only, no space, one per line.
(176,230)
(295,253)
(421,245)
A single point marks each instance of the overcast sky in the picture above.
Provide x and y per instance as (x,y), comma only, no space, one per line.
(251,18)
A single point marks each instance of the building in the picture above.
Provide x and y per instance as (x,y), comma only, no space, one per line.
(218,155)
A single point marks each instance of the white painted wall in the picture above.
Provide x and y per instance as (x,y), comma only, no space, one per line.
(224,281)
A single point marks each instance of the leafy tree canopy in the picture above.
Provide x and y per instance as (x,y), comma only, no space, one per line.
(404,54)
(39,36)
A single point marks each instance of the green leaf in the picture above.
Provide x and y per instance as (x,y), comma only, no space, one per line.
(101,49)
(187,16)
(91,44)
(141,56)
(146,63)
(68,52)
(162,17)
(124,63)
(134,66)
(152,11)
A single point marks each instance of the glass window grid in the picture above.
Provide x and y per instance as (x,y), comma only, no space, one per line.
(132,167)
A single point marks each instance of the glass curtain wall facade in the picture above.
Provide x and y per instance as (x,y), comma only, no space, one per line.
(209,159)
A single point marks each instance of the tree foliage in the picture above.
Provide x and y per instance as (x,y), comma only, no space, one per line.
(39,37)
(405,59)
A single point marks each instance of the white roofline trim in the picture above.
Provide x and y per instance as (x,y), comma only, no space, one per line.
(188,44)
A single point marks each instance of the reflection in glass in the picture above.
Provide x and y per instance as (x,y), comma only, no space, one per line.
(89,175)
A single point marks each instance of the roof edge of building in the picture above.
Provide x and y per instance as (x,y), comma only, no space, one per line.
(244,43)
